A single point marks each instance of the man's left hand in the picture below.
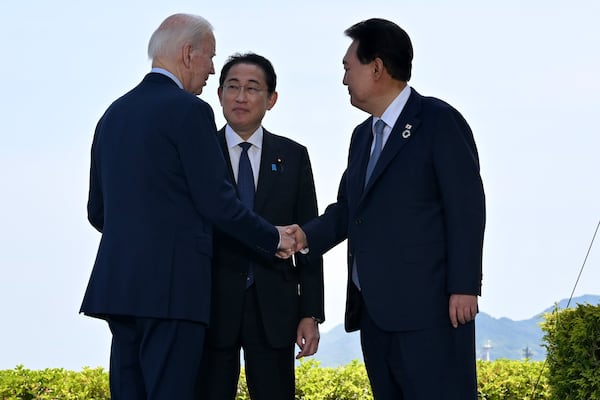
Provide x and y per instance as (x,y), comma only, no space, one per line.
(463,308)
(307,337)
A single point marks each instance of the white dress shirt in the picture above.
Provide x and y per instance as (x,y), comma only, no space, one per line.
(390,115)
(235,151)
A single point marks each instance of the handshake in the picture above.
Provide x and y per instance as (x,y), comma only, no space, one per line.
(291,240)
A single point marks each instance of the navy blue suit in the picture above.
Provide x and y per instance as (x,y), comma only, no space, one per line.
(158,184)
(415,231)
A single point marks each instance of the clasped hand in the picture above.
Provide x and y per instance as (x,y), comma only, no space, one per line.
(291,240)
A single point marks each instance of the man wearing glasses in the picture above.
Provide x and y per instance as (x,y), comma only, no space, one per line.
(260,305)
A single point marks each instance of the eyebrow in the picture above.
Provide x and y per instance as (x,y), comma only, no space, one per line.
(249,81)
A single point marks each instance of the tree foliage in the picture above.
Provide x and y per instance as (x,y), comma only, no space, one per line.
(572,341)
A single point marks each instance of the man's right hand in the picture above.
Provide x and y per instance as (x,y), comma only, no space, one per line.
(299,236)
(287,243)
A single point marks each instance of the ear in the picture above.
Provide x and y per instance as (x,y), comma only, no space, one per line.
(272,100)
(220,94)
(186,54)
(378,68)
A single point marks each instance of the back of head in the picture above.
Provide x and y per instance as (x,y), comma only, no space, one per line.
(253,59)
(174,32)
(381,38)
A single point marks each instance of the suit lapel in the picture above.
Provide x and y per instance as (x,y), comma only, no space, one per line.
(357,166)
(364,142)
(270,167)
(403,131)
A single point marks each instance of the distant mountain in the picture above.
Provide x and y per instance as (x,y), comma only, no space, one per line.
(498,337)
(337,347)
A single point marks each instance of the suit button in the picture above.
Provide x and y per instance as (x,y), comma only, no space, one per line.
(358,221)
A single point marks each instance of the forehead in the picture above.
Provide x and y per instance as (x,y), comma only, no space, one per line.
(246,72)
(208,44)
(351,52)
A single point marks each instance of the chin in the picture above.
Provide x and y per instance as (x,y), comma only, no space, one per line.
(359,105)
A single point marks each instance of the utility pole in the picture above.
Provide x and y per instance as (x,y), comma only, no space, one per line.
(527,353)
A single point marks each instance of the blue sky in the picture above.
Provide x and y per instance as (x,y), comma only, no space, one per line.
(524,74)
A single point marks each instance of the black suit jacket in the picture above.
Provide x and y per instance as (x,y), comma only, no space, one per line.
(416,230)
(157,185)
(286,291)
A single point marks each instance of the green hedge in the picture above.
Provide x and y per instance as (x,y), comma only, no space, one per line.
(54,384)
(498,380)
(512,380)
(572,339)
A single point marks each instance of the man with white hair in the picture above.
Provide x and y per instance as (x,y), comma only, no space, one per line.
(157,186)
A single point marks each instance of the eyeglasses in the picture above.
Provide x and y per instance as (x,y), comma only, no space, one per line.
(231,89)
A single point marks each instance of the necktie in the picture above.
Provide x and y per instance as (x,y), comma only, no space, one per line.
(379,125)
(245,184)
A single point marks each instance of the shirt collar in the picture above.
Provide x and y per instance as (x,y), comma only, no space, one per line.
(392,112)
(169,74)
(233,139)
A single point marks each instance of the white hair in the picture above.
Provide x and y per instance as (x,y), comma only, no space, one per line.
(175,31)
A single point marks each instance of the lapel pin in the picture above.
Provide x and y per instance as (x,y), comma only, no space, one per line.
(406,132)
(278,165)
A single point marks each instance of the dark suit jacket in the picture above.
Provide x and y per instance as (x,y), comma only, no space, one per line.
(416,230)
(285,194)
(157,185)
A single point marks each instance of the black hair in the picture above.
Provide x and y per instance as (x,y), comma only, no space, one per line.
(381,38)
(254,59)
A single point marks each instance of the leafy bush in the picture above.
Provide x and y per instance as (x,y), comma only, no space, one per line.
(348,382)
(572,341)
(498,380)
(51,384)
(512,380)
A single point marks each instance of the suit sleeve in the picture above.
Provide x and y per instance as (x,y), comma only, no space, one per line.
(463,201)
(95,204)
(213,196)
(331,228)
(311,268)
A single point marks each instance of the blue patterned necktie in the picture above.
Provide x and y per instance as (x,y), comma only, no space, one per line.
(379,125)
(245,185)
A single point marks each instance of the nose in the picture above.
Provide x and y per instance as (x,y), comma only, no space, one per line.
(241,95)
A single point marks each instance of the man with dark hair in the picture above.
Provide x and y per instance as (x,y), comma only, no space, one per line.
(258,305)
(157,187)
(412,206)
